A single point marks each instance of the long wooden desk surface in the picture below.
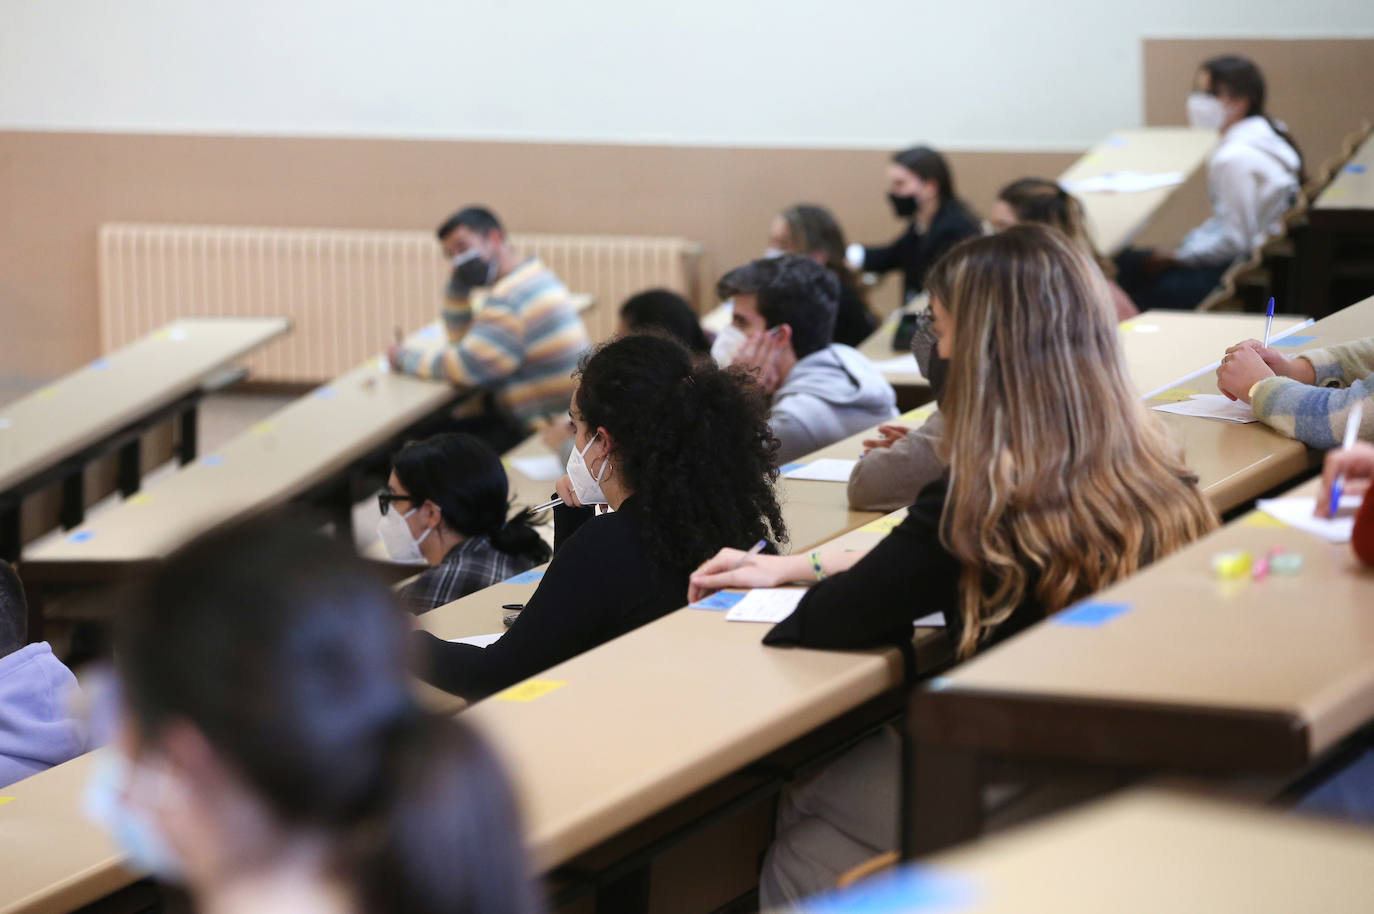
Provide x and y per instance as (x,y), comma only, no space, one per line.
(108,394)
(1145,852)
(307,441)
(1115,218)
(1353,186)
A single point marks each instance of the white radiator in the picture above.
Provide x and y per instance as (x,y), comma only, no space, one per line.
(346,290)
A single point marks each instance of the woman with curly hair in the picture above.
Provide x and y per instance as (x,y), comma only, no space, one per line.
(1060,484)
(682,452)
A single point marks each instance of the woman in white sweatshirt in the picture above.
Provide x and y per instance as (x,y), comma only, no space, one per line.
(1253,177)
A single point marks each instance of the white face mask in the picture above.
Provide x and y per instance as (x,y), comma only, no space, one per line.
(395,533)
(134,830)
(587,487)
(727,344)
(770,253)
(1205,111)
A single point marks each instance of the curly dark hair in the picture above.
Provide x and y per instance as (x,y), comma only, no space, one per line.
(692,441)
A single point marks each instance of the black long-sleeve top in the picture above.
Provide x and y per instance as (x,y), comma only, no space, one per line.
(600,585)
(913,252)
(909,574)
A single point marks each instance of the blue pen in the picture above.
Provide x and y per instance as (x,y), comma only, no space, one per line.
(753,551)
(1352,429)
(1269,322)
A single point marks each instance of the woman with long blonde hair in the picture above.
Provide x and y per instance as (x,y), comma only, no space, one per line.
(1060,484)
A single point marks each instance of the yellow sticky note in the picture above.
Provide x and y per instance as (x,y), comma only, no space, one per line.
(262,428)
(530,689)
(1091,158)
(1336,193)
(881,525)
(1176,395)
(1260,519)
(4,800)
(138,498)
(46,393)
(162,335)
(919,414)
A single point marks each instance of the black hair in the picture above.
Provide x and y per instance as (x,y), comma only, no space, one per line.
(668,311)
(290,657)
(815,231)
(1241,78)
(14,611)
(463,476)
(692,442)
(928,165)
(476,218)
(792,290)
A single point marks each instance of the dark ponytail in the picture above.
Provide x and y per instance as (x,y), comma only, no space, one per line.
(464,477)
(1241,78)
(692,442)
(289,656)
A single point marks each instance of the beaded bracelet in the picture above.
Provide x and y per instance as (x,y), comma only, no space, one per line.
(816,565)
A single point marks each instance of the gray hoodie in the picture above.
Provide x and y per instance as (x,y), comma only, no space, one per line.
(37,729)
(831,394)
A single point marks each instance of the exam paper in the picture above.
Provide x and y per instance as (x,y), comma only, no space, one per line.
(933,620)
(1125,182)
(766,604)
(540,469)
(1297,512)
(827,469)
(477,640)
(902,364)
(1211,406)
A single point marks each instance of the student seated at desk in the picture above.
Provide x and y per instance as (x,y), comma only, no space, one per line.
(523,344)
(446,504)
(682,452)
(37,692)
(811,231)
(1253,177)
(1355,465)
(898,462)
(921,191)
(1307,397)
(1038,200)
(271,755)
(780,329)
(1060,485)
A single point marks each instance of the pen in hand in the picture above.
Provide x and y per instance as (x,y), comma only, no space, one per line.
(753,551)
(1269,322)
(1352,430)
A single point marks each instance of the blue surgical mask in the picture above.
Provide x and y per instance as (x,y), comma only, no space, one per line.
(133,830)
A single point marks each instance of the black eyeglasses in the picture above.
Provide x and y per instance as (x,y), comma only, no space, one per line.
(385,500)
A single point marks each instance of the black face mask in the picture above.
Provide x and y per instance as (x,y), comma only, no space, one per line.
(937,374)
(926,349)
(904,207)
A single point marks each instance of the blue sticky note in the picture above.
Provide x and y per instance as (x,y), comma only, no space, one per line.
(1091,614)
(325,393)
(911,889)
(1355,168)
(1291,342)
(212,460)
(524,577)
(429,333)
(81,536)
(789,467)
(100,364)
(1116,141)
(719,600)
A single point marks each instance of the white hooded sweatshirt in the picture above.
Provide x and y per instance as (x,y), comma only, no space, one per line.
(1252,179)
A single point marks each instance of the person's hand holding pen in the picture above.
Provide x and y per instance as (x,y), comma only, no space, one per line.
(1251,361)
(1346,471)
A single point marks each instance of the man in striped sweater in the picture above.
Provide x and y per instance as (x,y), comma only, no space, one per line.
(520,341)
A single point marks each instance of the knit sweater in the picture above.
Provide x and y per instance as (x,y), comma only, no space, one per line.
(1316,414)
(887,479)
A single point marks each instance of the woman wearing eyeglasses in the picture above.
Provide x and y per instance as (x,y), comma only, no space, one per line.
(446,504)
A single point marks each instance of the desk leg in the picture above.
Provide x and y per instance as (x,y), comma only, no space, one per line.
(131,467)
(189,437)
(944,799)
(74,498)
(1312,281)
(11,530)
(628,894)
(34,596)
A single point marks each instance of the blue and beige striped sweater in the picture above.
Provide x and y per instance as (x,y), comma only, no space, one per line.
(524,343)
(1316,414)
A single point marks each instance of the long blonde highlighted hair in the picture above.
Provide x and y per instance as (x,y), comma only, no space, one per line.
(1060,482)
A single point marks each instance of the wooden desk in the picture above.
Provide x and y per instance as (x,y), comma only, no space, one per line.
(108,405)
(1199,674)
(1115,218)
(310,448)
(1343,216)
(1150,851)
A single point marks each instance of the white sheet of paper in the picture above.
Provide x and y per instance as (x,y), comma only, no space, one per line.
(766,604)
(934,620)
(477,640)
(1125,182)
(1297,512)
(902,364)
(1211,406)
(545,468)
(827,469)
